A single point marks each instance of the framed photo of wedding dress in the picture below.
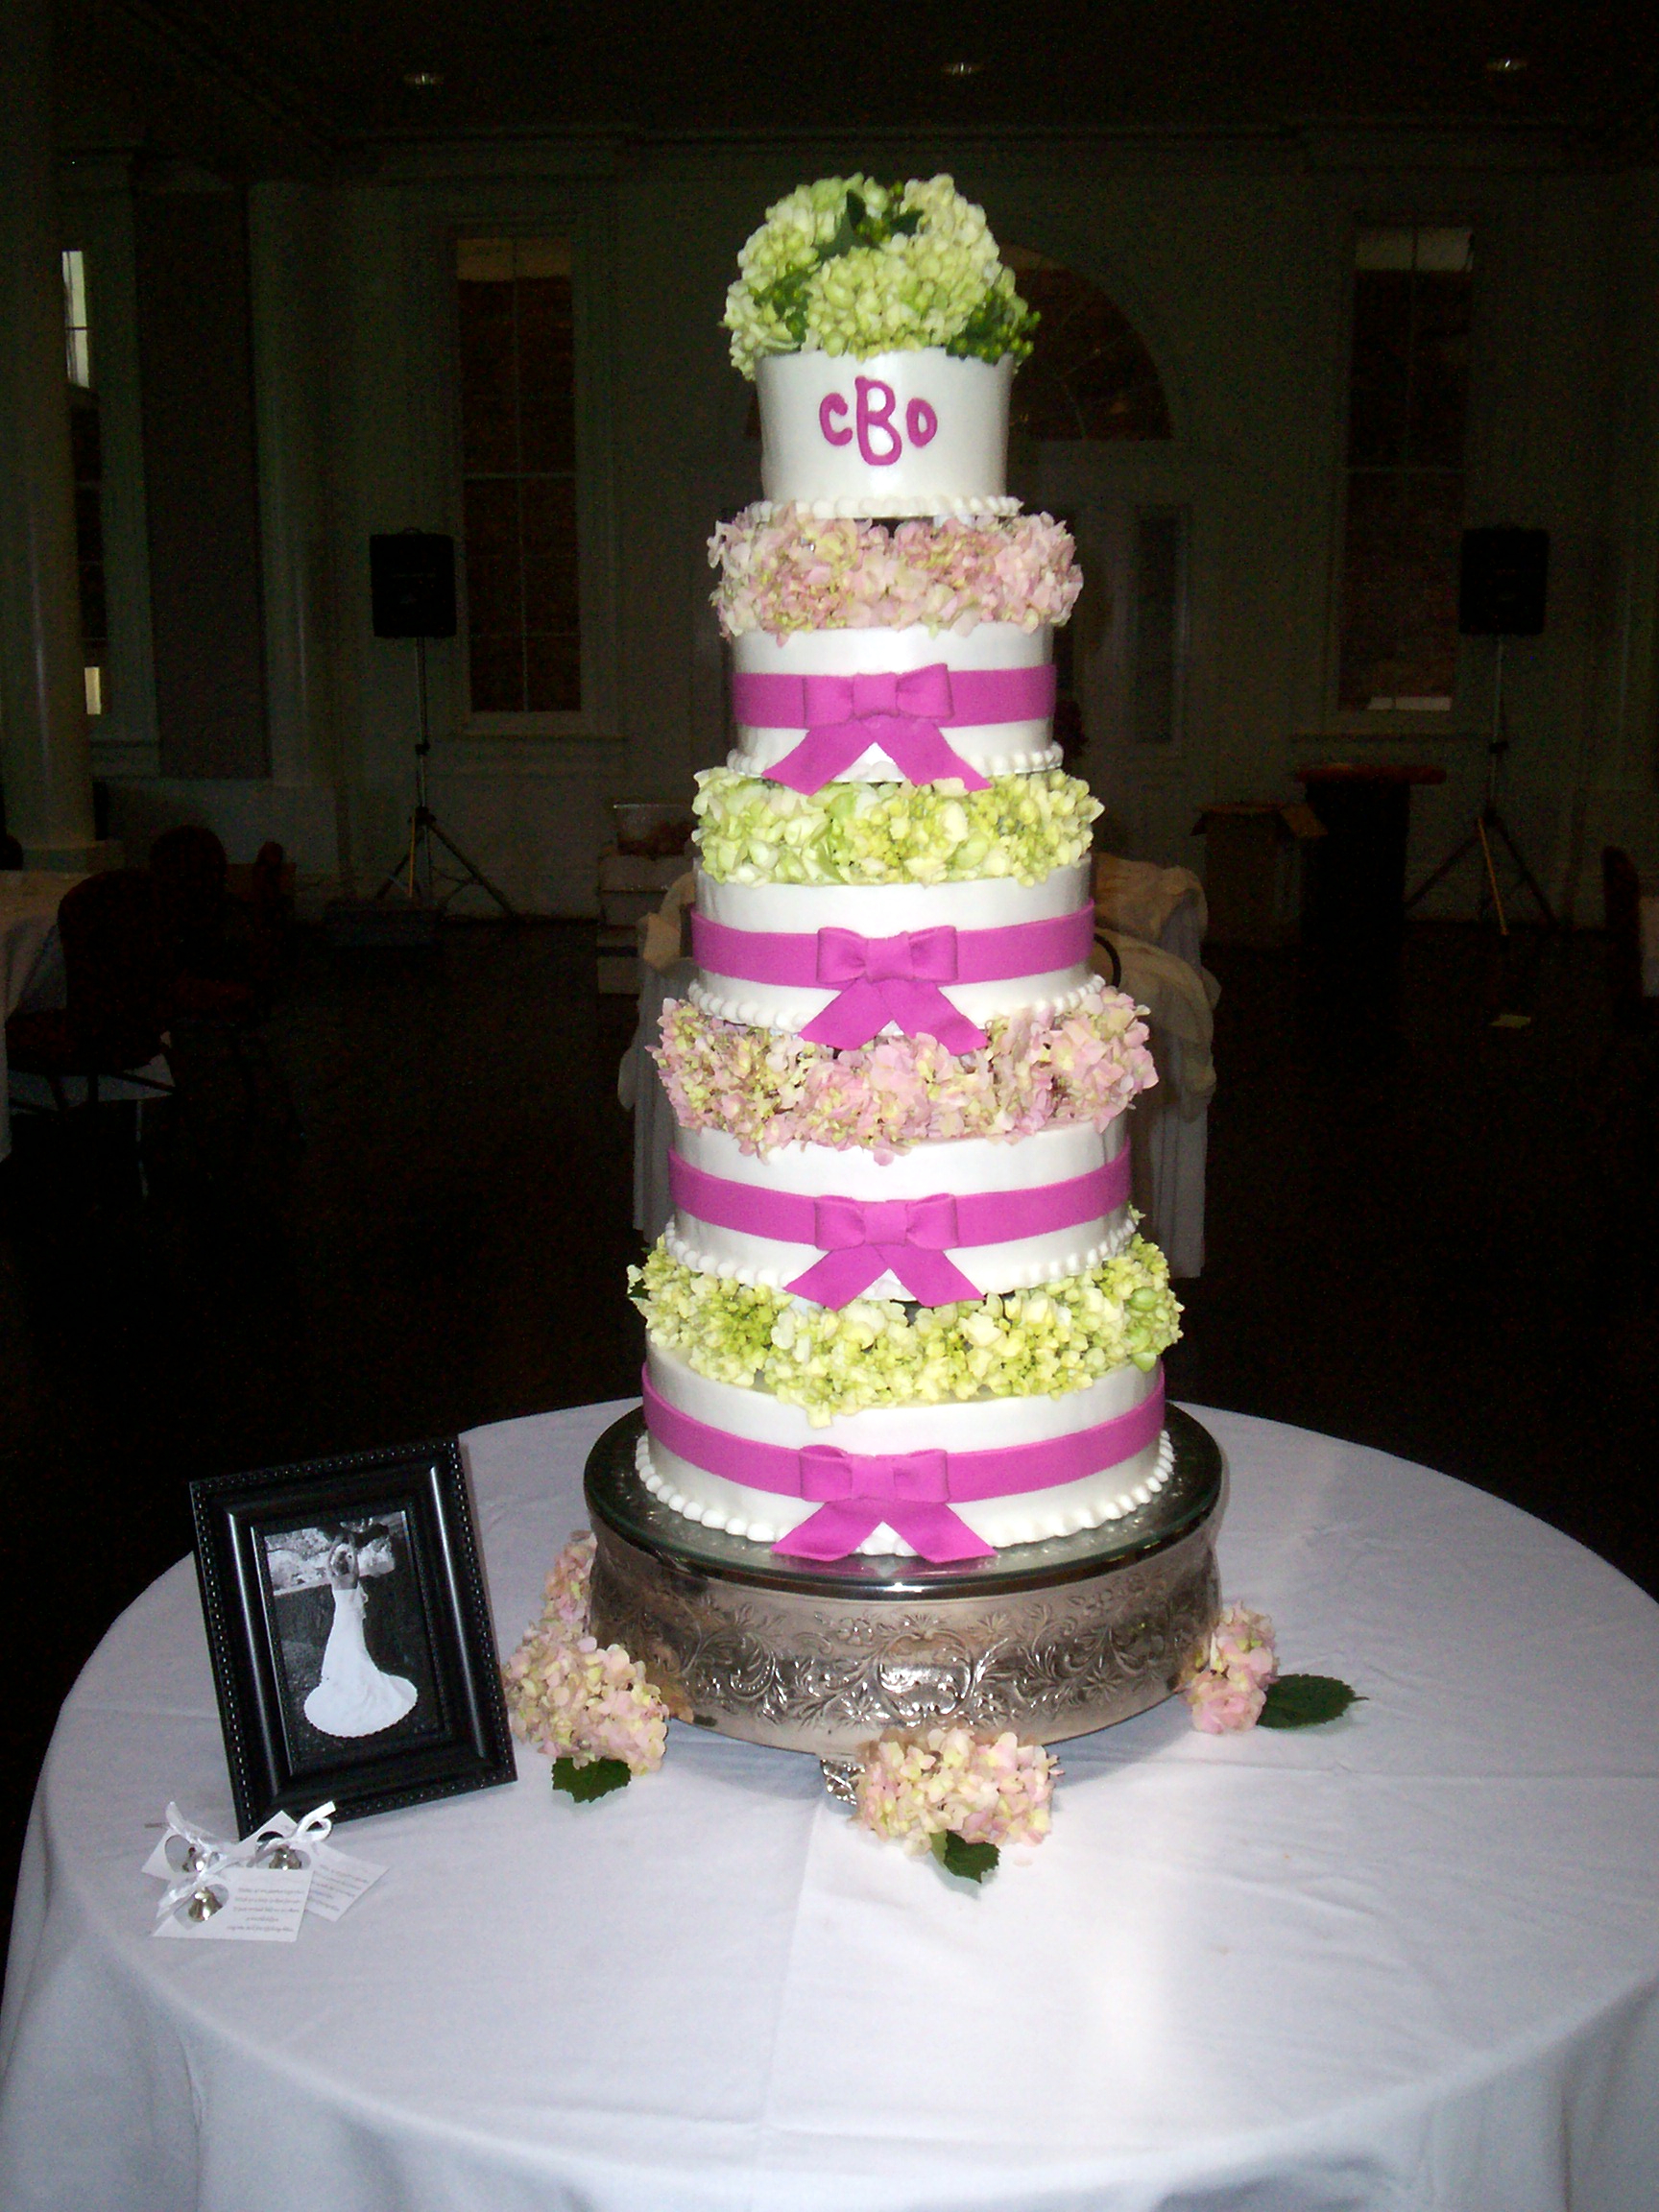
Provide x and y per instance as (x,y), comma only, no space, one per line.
(349,1632)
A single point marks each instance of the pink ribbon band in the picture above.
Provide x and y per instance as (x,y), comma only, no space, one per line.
(913,1492)
(909,1238)
(897,979)
(904,712)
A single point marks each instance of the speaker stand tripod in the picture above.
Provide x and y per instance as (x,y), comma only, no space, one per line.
(1490,825)
(416,874)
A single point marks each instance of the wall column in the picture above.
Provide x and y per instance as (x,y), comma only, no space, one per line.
(288,238)
(1615,770)
(45,761)
(286,246)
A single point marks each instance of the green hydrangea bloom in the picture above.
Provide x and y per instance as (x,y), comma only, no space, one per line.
(847,265)
(754,831)
(1048,1341)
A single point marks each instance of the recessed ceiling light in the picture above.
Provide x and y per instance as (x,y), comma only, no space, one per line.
(961,68)
(424,79)
(1505,64)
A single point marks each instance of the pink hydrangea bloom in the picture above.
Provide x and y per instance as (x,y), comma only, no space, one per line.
(769,1090)
(1227,1680)
(784,569)
(567,1599)
(912,1789)
(573,1698)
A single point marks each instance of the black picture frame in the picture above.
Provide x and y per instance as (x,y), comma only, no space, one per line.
(352,1650)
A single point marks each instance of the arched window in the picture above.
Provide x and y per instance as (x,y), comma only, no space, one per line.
(1089,375)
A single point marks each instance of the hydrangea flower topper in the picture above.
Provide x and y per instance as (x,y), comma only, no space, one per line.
(848,265)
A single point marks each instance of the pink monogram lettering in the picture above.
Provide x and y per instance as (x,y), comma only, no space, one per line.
(921,421)
(829,407)
(875,416)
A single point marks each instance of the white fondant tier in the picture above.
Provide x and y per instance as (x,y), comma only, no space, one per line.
(993,748)
(884,910)
(932,507)
(964,1167)
(917,433)
(970,1425)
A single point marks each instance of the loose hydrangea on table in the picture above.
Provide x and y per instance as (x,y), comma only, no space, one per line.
(951,1783)
(1023,827)
(768,1089)
(574,1698)
(1227,1680)
(848,265)
(784,569)
(962,1796)
(879,1352)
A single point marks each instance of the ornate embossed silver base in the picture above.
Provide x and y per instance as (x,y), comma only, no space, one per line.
(1052,1640)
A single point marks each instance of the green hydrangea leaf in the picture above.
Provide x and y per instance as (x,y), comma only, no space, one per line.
(957,1856)
(1306,1702)
(597,1779)
(997,326)
(786,299)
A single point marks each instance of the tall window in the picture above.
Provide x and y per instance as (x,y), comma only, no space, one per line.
(86,445)
(519,475)
(1408,391)
(77,336)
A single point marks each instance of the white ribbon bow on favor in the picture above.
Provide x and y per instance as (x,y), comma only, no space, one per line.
(205,1855)
(283,1834)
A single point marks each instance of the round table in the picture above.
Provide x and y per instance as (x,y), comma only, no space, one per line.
(1409,1960)
(29,901)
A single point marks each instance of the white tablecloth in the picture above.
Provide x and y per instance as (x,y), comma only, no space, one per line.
(29,903)
(1409,1960)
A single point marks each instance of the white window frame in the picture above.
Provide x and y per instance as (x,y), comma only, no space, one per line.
(1393,723)
(95,203)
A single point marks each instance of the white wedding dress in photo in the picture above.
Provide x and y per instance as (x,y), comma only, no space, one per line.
(353,1696)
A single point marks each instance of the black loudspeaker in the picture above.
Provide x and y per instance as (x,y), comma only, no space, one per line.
(1502,582)
(412,584)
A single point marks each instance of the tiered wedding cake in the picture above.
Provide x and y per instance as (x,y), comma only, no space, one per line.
(901,1306)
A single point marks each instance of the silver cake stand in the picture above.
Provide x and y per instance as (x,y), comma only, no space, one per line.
(1052,1640)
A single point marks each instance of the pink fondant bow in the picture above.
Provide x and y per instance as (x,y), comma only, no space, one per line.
(861,1241)
(857,1492)
(847,714)
(904,712)
(882,980)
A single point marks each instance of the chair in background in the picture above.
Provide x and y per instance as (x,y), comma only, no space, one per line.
(666,971)
(225,958)
(11,851)
(213,977)
(269,900)
(1622,914)
(1148,928)
(116,970)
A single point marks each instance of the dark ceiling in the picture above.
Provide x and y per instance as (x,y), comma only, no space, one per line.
(334,73)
